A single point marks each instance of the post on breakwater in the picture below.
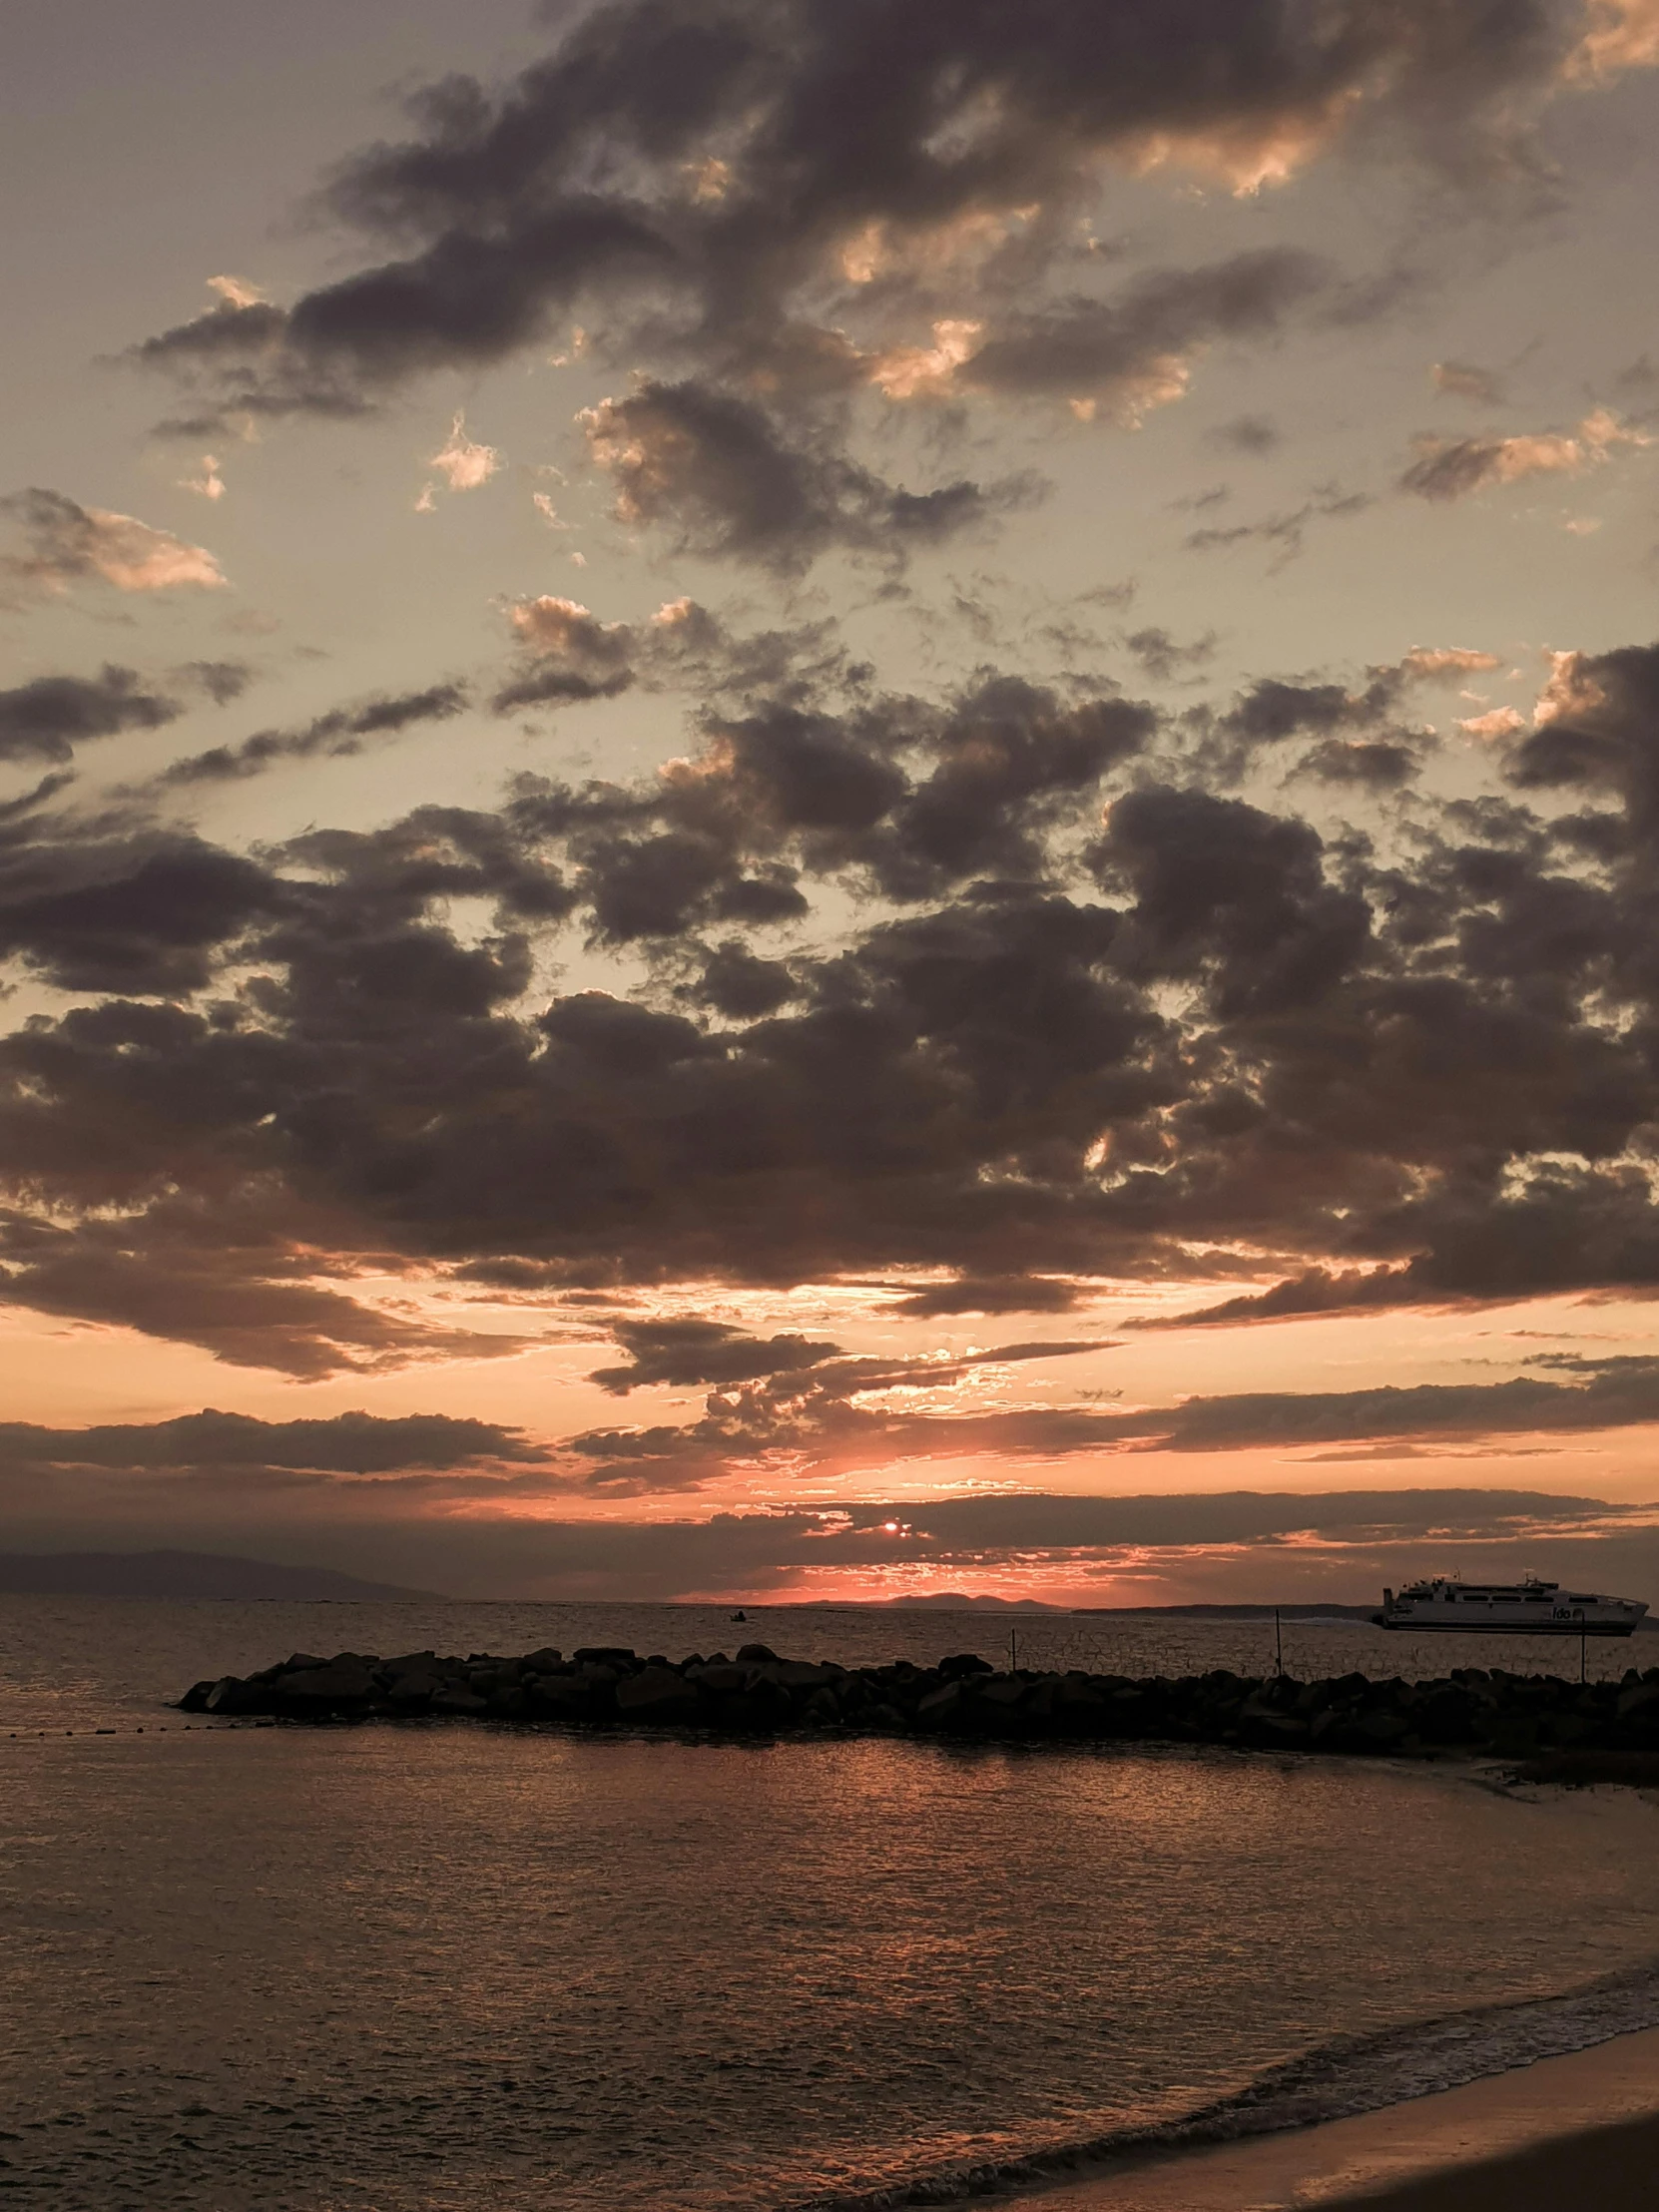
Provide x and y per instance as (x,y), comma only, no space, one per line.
(1278,1644)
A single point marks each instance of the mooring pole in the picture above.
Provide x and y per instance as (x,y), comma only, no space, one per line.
(1278,1644)
(1583,1648)
(1013,1651)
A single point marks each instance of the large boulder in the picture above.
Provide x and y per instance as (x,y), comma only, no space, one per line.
(459,1703)
(796,1674)
(559,1697)
(657,1693)
(230,1696)
(341,1681)
(942,1707)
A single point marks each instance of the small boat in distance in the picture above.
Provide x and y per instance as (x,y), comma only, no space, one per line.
(1527,1608)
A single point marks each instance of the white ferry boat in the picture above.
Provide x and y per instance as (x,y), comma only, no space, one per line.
(1529,1608)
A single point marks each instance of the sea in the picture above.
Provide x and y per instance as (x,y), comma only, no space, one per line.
(458,1967)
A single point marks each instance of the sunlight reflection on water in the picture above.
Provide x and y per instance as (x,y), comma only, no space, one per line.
(439,1967)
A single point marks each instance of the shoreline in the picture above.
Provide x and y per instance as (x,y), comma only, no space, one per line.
(1580,2126)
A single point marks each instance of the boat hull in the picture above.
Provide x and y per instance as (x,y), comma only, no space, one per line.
(1510,1628)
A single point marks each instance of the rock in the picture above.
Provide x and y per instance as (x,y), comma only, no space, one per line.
(605,1655)
(796,1674)
(1382,1728)
(965,1663)
(459,1703)
(542,1662)
(659,1694)
(348,1680)
(559,1697)
(230,1695)
(755,1652)
(1000,1690)
(941,1708)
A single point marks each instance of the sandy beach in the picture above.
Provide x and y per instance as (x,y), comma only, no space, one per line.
(1582,2129)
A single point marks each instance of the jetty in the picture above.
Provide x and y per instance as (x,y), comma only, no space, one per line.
(1470,1711)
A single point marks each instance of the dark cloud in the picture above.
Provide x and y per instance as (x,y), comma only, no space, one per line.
(732,484)
(810,1422)
(815,1411)
(1131,351)
(341,1444)
(1001,1293)
(780,189)
(147,911)
(1377,763)
(1156,654)
(1248,433)
(692,1351)
(45,720)
(1063,1014)
(1360,738)
(1160,1549)
(335,735)
(1286,532)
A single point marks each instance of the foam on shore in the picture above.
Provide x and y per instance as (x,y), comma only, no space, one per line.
(1338,2083)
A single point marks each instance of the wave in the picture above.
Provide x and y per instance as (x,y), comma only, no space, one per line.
(1336,2080)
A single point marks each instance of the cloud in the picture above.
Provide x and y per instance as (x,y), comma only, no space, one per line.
(1286,531)
(1157,653)
(1447,663)
(1622,34)
(46,719)
(569,655)
(341,1444)
(67,543)
(462,462)
(1452,468)
(732,484)
(1248,433)
(1004,1293)
(209,484)
(995,986)
(144,912)
(1081,1551)
(694,1351)
(832,1418)
(339,734)
(812,244)
(1130,355)
(1462,380)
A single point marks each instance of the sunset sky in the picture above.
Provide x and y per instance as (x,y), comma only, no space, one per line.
(833,797)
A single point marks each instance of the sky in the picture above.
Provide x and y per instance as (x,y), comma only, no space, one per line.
(833,799)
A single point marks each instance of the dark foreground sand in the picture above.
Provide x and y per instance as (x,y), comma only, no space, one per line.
(1580,2131)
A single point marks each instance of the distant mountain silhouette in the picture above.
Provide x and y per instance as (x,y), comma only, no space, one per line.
(951,1601)
(178,1574)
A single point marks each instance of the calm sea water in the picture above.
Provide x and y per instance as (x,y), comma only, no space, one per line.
(448,1966)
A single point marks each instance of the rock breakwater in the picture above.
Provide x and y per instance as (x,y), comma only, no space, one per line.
(1472,1710)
